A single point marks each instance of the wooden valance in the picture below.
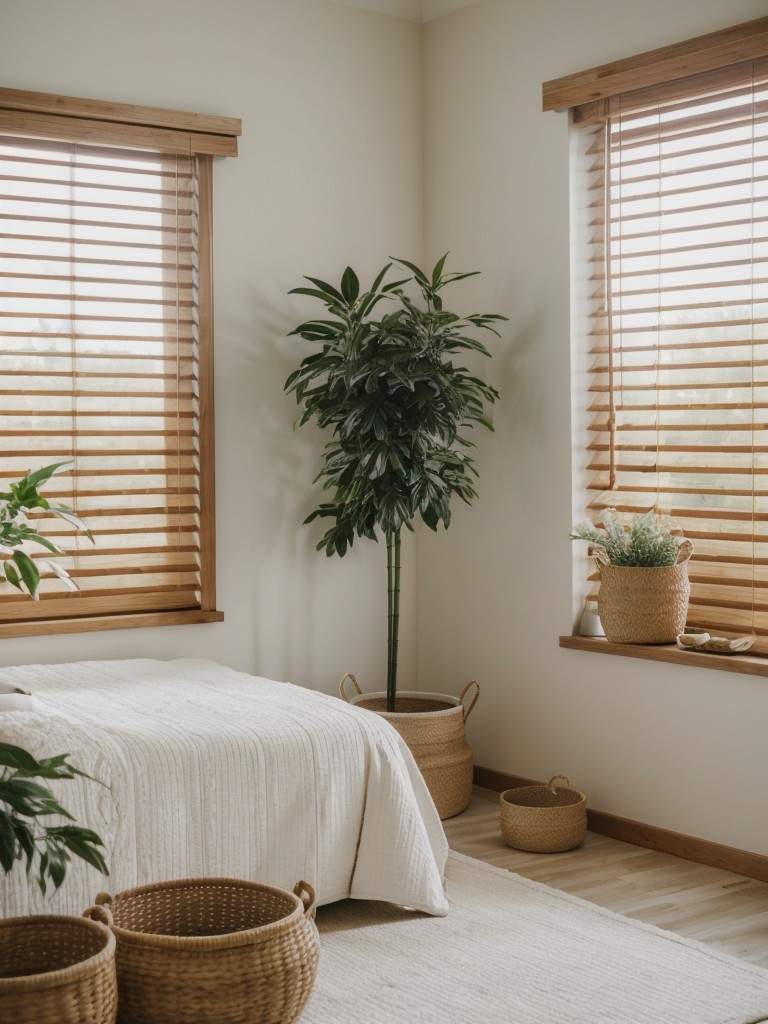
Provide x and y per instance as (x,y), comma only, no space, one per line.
(72,119)
(748,41)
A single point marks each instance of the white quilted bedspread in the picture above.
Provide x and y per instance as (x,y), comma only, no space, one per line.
(208,771)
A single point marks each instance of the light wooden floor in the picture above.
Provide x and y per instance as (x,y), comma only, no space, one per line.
(726,910)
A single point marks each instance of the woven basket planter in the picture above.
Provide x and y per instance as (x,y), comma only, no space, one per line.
(543,819)
(212,951)
(57,970)
(432,726)
(644,605)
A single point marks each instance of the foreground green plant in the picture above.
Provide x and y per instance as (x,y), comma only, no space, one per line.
(397,406)
(20,570)
(646,541)
(47,848)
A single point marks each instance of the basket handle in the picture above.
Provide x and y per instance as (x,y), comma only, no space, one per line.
(342,692)
(468,711)
(306,894)
(565,780)
(601,558)
(100,913)
(687,547)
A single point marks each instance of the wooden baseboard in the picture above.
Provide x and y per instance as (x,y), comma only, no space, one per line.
(741,862)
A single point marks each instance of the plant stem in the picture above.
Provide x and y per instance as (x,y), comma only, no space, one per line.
(393,613)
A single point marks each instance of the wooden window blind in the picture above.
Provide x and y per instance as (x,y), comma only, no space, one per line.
(106,358)
(676,187)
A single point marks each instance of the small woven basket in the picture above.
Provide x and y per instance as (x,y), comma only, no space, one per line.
(57,970)
(212,951)
(644,605)
(544,819)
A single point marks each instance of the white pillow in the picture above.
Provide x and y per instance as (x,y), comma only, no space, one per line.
(19,702)
(10,688)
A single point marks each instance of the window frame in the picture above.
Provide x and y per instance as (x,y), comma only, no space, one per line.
(67,119)
(591,96)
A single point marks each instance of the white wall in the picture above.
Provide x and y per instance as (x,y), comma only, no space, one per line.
(677,747)
(329,173)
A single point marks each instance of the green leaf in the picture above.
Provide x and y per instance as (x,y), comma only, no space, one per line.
(15,757)
(41,475)
(50,768)
(369,303)
(380,277)
(11,575)
(9,847)
(58,858)
(395,284)
(25,841)
(28,571)
(325,288)
(350,285)
(438,270)
(43,542)
(418,274)
(315,293)
(68,516)
(451,278)
(82,842)
(29,798)
(42,871)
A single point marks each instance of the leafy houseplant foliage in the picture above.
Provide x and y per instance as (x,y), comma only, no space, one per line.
(647,541)
(396,404)
(22,800)
(21,570)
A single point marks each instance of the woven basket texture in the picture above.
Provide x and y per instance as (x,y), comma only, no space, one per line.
(432,727)
(643,605)
(56,970)
(543,819)
(212,951)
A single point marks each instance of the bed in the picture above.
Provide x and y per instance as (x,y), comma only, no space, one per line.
(209,771)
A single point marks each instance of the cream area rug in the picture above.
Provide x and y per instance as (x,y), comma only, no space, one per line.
(513,951)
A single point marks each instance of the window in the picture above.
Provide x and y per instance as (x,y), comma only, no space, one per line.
(106,352)
(672,298)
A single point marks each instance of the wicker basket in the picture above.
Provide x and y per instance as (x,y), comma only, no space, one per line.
(57,970)
(212,951)
(644,605)
(432,725)
(544,819)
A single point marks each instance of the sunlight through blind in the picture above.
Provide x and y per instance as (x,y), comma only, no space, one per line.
(106,351)
(99,363)
(678,391)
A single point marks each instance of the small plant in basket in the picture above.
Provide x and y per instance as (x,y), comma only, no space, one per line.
(23,802)
(643,567)
(648,540)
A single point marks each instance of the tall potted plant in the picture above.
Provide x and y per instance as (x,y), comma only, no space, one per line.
(398,407)
(51,967)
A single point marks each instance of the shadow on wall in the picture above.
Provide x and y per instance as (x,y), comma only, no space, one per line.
(296,606)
